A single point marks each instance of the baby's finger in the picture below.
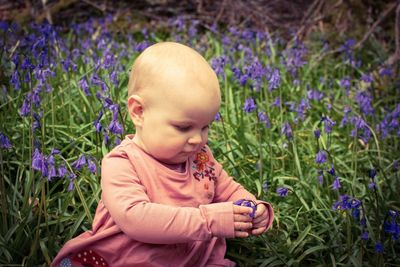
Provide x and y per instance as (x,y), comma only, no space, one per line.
(241,210)
(261,218)
(258,231)
(241,218)
(241,234)
(242,226)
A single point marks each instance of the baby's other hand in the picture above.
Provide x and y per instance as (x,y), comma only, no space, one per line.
(242,220)
(260,220)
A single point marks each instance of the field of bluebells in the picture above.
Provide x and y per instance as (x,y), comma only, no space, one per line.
(317,136)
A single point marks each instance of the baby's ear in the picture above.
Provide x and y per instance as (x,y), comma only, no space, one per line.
(136,108)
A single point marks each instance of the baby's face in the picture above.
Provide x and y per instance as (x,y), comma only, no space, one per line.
(180,101)
(174,129)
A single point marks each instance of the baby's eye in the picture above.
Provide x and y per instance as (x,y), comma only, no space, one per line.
(182,128)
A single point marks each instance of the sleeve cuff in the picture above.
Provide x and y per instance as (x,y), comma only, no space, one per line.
(219,217)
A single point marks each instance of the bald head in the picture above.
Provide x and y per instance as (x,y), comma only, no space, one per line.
(172,69)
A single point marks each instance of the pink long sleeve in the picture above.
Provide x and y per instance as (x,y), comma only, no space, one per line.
(125,198)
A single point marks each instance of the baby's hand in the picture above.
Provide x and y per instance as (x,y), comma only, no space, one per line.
(260,220)
(242,220)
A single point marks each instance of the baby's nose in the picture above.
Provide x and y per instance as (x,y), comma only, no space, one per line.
(195,139)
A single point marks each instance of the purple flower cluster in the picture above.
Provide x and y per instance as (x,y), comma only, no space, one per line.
(390,123)
(392,224)
(347,203)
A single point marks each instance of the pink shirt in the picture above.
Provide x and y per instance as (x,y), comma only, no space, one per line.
(151,215)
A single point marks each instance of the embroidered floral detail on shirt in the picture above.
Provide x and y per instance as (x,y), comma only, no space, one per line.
(66,262)
(203,167)
(90,258)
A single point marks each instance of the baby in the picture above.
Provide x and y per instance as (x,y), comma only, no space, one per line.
(165,200)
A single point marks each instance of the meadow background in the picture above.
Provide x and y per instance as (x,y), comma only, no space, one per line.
(308,124)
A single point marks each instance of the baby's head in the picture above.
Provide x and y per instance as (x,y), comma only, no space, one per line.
(173,95)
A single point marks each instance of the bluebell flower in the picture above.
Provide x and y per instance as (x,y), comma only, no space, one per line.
(317,133)
(249,105)
(92,166)
(378,247)
(72,178)
(336,183)
(115,127)
(367,78)
(345,83)
(84,86)
(97,123)
(364,235)
(4,141)
(372,173)
(15,80)
(344,120)
(314,95)
(282,191)
(218,65)
(320,177)
(217,117)
(114,78)
(332,171)
(364,100)
(320,157)
(276,103)
(274,79)
(62,171)
(372,185)
(37,160)
(385,71)
(79,163)
(328,124)
(263,117)
(287,130)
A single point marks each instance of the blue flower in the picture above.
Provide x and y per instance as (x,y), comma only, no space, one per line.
(4,142)
(320,158)
(282,191)
(84,86)
(287,130)
(364,235)
(336,183)
(378,247)
(79,163)
(317,133)
(115,127)
(263,117)
(92,166)
(249,105)
(372,173)
(274,80)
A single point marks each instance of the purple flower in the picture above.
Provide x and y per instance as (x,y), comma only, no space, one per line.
(79,163)
(287,130)
(274,80)
(84,86)
(4,142)
(320,158)
(249,105)
(367,78)
(372,173)
(378,247)
(345,83)
(97,123)
(25,109)
(218,65)
(364,235)
(263,117)
(386,71)
(37,160)
(62,171)
(72,178)
(265,187)
(317,133)
(336,184)
(372,185)
(115,127)
(364,100)
(282,191)
(92,166)
(276,103)
(332,171)
(320,177)
(217,117)
(328,124)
